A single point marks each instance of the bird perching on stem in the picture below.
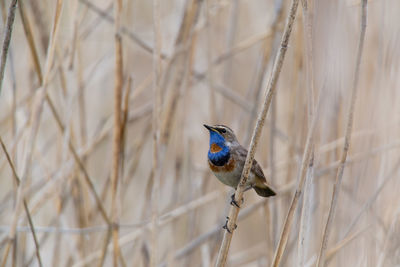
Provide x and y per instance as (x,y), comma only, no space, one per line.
(226,158)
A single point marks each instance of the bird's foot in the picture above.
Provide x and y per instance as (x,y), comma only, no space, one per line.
(233,201)
(226,226)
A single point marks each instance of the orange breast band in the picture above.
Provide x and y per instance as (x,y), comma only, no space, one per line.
(215,148)
(230,166)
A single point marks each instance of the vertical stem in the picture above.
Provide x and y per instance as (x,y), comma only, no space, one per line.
(262,69)
(271,219)
(212,104)
(305,218)
(156,132)
(230,39)
(7,39)
(234,211)
(350,116)
(124,120)
(117,128)
(29,36)
(301,180)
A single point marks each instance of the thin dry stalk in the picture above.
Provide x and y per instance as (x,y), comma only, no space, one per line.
(39,17)
(178,68)
(138,147)
(271,213)
(74,39)
(52,44)
(77,183)
(105,246)
(28,215)
(195,243)
(124,120)
(390,234)
(28,33)
(29,36)
(86,151)
(331,252)
(85,33)
(234,211)
(210,79)
(341,244)
(131,35)
(230,94)
(239,47)
(300,187)
(230,38)
(305,218)
(372,199)
(248,255)
(262,68)
(78,161)
(117,128)
(163,220)
(339,174)
(7,39)
(38,103)
(81,95)
(35,120)
(156,132)
(189,248)
(271,216)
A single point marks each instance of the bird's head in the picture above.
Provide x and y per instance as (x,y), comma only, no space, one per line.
(221,135)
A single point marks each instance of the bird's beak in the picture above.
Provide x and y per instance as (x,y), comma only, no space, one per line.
(208,127)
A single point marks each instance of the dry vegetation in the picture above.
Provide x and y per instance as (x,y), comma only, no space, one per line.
(103,158)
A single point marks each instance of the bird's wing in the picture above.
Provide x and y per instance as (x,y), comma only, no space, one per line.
(255,168)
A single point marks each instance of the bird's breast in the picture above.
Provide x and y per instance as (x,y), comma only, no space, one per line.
(228,167)
(228,174)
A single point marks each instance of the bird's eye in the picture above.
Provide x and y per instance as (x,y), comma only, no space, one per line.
(222,130)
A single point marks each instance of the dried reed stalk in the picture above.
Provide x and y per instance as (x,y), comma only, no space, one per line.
(230,38)
(116,164)
(35,120)
(163,220)
(177,68)
(349,126)
(78,161)
(210,73)
(28,214)
(228,93)
(300,187)
(42,80)
(29,36)
(7,39)
(156,168)
(124,121)
(261,71)
(234,211)
(131,35)
(373,197)
(305,217)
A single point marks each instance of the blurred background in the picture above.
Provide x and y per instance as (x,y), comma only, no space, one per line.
(186,63)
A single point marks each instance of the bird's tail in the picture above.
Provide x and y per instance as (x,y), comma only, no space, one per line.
(264,190)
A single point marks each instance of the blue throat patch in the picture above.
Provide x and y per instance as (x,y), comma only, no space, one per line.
(219,158)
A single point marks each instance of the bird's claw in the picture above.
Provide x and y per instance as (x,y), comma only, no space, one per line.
(226,226)
(233,201)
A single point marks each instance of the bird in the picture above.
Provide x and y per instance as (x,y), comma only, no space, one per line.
(226,158)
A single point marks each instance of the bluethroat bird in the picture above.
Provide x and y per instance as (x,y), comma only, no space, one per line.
(226,158)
